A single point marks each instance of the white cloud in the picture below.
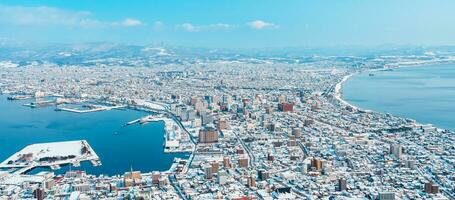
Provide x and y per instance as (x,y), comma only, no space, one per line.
(19,15)
(210,27)
(131,22)
(222,26)
(187,27)
(50,16)
(259,24)
(158,25)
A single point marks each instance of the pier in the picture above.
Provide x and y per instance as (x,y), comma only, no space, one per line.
(37,104)
(96,108)
(176,138)
(20,97)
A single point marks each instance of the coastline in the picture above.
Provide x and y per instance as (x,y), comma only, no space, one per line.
(338,94)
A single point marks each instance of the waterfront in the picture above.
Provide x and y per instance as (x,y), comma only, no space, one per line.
(119,147)
(423,93)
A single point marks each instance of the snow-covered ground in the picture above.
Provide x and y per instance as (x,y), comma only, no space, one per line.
(8,64)
(15,179)
(176,139)
(173,132)
(31,154)
(152,105)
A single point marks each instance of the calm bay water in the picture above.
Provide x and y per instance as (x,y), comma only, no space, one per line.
(119,148)
(423,93)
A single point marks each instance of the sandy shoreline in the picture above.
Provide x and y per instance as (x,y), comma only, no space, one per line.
(338,92)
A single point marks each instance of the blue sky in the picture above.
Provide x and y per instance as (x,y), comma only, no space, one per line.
(231,23)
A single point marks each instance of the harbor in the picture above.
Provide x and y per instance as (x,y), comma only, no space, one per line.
(102,130)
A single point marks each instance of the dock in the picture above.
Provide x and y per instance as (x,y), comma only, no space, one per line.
(133,122)
(20,97)
(37,104)
(96,109)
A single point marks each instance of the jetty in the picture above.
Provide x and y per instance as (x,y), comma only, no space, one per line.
(94,108)
(37,104)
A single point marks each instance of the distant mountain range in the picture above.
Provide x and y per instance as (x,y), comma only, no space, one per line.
(136,55)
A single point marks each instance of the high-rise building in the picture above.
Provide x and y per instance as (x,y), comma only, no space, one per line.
(308,122)
(263,175)
(38,194)
(226,162)
(396,150)
(208,135)
(243,162)
(156,177)
(297,132)
(251,181)
(207,171)
(302,95)
(270,157)
(85,187)
(191,115)
(341,185)
(292,143)
(282,98)
(304,168)
(49,183)
(183,115)
(269,110)
(133,175)
(215,167)
(427,187)
(207,118)
(314,106)
(386,196)
(430,188)
(193,101)
(208,99)
(435,189)
(222,177)
(410,164)
(286,107)
(75,174)
(271,127)
(162,181)
(316,164)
